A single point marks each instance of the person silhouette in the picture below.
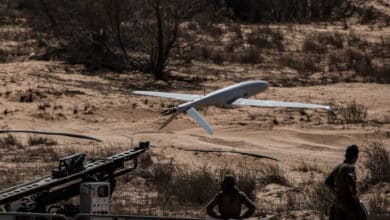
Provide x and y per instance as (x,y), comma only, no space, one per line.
(342,182)
(229,201)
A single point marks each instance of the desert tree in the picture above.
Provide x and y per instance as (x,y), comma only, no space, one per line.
(155,32)
(135,34)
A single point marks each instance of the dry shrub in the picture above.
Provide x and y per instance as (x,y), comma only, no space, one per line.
(192,26)
(44,153)
(215,31)
(368,15)
(235,28)
(230,47)
(217,57)
(146,160)
(246,181)
(266,38)
(89,108)
(162,173)
(381,73)
(250,56)
(9,141)
(362,63)
(336,62)
(43,105)
(28,95)
(39,140)
(319,198)
(357,41)
(358,61)
(206,53)
(277,39)
(8,177)
(377,204)
(192,186)
(182,184)
(258,40)
(319,43)
(292,202)
(311,44)
(334,39)
(377,163)
(195,186)
(303,64)
(307,167)
(18,174)
(203,52)
(348,113)
(272,173)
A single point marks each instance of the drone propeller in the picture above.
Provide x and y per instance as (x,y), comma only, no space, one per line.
(52,133)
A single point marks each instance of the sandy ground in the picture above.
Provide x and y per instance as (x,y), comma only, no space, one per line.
(65,98)
(104,107)
(108,110)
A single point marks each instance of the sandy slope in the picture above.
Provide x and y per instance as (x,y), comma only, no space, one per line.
(103,106)
(109,111)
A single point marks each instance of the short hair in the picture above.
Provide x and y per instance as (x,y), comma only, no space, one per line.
(228,183)
(351,152)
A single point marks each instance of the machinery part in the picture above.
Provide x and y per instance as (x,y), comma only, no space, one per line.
(69,165)
(95,197)
(49,190)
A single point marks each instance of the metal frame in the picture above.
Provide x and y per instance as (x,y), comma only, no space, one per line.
(13,215)
(111,167)
(83,216)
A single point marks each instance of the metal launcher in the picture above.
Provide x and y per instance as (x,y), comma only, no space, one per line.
(72,173)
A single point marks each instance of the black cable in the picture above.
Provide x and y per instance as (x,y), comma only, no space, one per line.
(52,133)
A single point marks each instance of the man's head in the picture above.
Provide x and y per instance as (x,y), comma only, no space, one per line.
(352,153)
(228,183)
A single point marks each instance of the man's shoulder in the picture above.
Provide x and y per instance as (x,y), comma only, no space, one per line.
(345,166)
(242,194)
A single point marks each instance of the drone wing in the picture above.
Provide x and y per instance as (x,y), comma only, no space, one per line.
(180,96)
(270,103)
(200,120)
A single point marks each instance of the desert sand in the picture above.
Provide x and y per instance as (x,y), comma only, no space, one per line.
(50,94)
(104,107)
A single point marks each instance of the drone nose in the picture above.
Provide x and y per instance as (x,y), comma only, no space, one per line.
(264,85)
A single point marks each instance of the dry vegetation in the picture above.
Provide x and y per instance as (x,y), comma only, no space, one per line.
(74,66)
(377,163)
(162,186)
(349,113)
